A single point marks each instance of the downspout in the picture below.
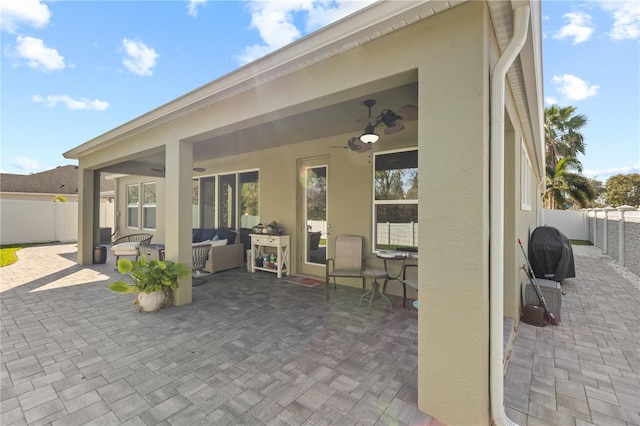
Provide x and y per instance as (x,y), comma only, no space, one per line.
(496,239)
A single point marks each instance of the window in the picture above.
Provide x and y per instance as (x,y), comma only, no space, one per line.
(228,206)
(395,209)
(208,202)
(149,205)
(228,200)
(525,178)
(249,192)
(133,206)
(195,203)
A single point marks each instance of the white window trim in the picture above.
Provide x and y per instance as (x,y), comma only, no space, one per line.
(375,202)
(525,178)
(145,206)
(130,205)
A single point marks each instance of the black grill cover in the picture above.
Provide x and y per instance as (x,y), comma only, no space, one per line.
(550,254)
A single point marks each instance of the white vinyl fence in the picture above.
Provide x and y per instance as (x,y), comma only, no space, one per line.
(615,231)
(573,224)
(28,221)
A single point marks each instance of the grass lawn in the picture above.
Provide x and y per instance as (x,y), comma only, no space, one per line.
(8,254)
(580,243)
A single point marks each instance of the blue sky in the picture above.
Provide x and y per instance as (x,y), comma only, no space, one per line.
(72,70)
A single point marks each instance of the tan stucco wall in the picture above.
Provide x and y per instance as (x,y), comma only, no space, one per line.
(453,343)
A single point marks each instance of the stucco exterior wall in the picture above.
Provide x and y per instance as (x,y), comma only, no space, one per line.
(453,158)
(449,56)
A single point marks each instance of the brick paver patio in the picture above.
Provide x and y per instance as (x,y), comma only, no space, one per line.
(255,350)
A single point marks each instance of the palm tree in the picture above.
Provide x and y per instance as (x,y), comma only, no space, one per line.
(562,133)
(565,186)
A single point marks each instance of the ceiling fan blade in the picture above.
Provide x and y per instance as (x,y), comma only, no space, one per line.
(408,112)
(358,146)
(393,129)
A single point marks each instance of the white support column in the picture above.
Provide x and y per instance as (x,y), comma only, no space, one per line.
(622,209)
(178,220)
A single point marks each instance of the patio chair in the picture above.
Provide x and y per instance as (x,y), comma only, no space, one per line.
(199,255)
(413,283)
(129,245)
(348,261)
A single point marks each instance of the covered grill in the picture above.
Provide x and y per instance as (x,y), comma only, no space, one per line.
(551,254)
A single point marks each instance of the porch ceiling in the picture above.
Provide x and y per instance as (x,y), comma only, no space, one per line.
(337,114)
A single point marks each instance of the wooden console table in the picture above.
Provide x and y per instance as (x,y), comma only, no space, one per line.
(280,243)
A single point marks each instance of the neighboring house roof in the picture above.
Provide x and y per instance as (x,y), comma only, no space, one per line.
(61,180)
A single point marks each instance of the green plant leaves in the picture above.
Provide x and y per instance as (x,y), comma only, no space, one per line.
(124,265)
(122,287)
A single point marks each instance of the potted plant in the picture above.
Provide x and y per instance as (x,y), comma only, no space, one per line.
(151,280)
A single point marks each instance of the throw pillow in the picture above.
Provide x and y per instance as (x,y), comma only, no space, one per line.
(218,243)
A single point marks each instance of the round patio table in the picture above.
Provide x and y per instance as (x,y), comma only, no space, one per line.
(375,292)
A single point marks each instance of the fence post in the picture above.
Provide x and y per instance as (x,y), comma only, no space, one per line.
(595,227)
(605,236)
(622,209)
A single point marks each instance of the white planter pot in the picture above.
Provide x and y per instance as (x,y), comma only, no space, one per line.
(150,302)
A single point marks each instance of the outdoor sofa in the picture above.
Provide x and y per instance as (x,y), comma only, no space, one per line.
(226,251)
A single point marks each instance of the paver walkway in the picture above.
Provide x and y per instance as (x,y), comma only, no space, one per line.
(252,349)
(586,370)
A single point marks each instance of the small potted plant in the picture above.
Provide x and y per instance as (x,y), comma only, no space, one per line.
(151,280)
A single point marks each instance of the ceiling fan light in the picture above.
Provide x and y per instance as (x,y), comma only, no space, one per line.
(369,135)
(369,138)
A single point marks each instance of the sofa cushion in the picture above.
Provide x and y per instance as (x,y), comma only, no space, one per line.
(201,243)
(124,249)
(208,234)
(196,235)
(227,234)
(218,243)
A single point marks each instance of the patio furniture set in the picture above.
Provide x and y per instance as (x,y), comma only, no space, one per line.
(217,250)
(348,261)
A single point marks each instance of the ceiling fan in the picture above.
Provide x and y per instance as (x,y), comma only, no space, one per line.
(355,144)
(195,169)
(388,118)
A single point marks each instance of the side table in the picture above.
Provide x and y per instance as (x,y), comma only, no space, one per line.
(375,292)
(152,251)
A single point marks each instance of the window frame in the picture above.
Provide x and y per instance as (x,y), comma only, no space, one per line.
(145,206)
(216,178)
(526,179)
(375,203)
(132,206)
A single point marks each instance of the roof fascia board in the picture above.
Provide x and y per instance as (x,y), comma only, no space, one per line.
(368,24)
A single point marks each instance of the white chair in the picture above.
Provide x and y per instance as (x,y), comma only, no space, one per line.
(129,245)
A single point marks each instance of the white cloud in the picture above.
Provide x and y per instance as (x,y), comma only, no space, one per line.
(192,8)
(275,21)
(27,164)
(604,174)
(579,28)
(15,12)
(72,104)
(549,100)
(574,88)
(626,19)
(39,56)
(139,58)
